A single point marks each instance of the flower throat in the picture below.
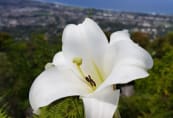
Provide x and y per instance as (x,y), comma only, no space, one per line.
(78,62)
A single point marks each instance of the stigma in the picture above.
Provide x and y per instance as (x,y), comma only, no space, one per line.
(77,61)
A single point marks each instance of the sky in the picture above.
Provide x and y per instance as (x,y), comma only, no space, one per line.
(145,6)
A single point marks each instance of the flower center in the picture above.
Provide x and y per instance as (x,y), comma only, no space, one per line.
(88,79)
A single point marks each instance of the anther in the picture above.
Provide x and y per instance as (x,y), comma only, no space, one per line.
(89,80)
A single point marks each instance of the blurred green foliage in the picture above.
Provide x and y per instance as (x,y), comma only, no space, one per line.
(22,60)
(3,114)
(71,107)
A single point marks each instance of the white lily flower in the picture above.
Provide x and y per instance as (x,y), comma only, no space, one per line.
(88,66)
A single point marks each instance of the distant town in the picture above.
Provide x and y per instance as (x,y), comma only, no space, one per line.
(25,16)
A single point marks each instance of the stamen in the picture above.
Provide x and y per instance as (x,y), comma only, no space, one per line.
(89,80)
(98,72)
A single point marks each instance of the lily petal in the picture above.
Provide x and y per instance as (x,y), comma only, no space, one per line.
(124,74)
(122,50)
(59,60)
(128,52)
(53,84)
(128,61)
(81,40)
(101,104)
(87,41)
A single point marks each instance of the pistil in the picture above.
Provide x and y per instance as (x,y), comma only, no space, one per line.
(78,62)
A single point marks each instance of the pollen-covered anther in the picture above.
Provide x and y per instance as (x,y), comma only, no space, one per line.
(89,80)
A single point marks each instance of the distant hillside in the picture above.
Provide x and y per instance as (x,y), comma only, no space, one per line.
(23,17)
